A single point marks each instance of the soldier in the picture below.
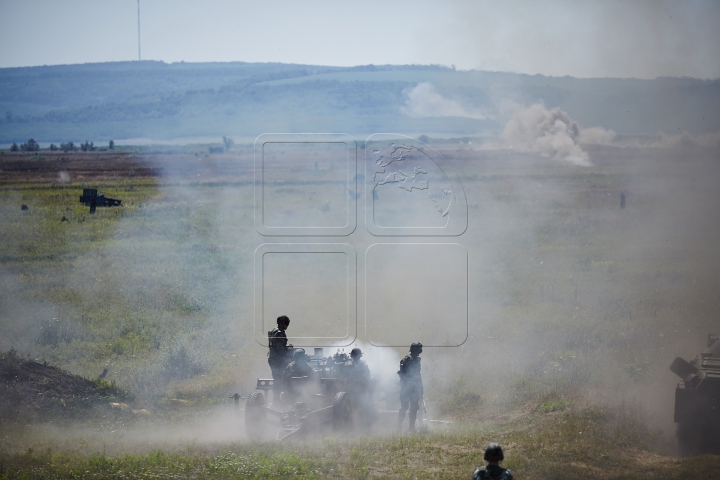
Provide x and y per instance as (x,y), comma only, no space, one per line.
(298,368)
(357,374)
(493,470)
(361,386)
(411,386)
(278,350)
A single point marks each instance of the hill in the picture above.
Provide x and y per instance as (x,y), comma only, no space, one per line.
(162,101)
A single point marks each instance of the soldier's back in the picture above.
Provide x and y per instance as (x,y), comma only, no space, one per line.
(410,367)
(492,472)
(277,333)
(357,374)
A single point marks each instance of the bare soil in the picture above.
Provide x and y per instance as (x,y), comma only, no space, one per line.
(32,391)
(80,166)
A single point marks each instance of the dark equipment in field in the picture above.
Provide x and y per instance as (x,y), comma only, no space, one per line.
(91,198)
(322,403)
(697,401)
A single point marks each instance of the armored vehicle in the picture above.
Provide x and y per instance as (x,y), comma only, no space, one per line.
(697,401)
(308,403)
(91,198)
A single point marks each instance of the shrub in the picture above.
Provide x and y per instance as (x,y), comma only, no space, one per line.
(460,401)
(30,146)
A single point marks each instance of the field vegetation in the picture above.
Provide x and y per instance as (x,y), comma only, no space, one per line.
(577,309)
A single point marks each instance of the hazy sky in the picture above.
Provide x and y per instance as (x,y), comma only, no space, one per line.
(583,39)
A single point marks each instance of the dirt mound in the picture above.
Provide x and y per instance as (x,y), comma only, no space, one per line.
(35,391)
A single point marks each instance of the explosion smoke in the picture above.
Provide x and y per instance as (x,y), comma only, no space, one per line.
(553,134)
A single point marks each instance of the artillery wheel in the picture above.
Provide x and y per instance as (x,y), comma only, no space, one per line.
(342,412)
(255,416)
(697,439)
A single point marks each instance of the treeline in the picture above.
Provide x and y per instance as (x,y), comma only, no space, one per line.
(32,146)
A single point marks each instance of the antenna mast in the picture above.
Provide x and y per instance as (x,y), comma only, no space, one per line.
(139,58)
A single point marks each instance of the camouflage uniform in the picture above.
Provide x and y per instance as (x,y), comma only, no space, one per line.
(297,368)
(278,358)
(357,377)
(361,386)
(411,389)
(277,352)
(492,472)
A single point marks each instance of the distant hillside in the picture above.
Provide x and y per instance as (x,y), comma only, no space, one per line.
(168,101)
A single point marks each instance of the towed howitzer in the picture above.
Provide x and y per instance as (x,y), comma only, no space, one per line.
(697,400)
(325,402)
(91,198)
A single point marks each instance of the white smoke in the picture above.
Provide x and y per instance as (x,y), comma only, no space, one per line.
(424,101)
(664,140)
(63,177)
(596,136)
(552,133)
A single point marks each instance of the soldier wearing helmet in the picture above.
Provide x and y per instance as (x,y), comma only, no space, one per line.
(278,353)
(299,367)
(296,374)
(360,384)
(411,386)
(493,470)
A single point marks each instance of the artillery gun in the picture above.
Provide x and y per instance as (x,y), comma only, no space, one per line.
(307,403)
(697,401)
(91,198)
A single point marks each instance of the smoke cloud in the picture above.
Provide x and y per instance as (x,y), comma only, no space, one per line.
(596,136)
(664,140)
(424,101)
(552,133)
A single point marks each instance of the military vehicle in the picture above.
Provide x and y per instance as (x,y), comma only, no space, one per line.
(307,404)
(91,198)
(697,401)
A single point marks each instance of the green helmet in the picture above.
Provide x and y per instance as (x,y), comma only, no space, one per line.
(416,347)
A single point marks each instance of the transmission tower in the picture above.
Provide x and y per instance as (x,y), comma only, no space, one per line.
(139,58)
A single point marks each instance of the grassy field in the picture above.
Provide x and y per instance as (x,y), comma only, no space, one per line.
(577,308)
(575,443)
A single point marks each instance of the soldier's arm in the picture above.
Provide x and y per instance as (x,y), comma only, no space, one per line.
(478,474)
(419,379)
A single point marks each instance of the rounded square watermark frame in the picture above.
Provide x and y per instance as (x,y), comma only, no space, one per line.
(367,324)
(261,328)
(458,220)
(309,139)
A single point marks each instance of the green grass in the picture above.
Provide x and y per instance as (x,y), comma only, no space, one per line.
(576,307)
(107,290)
(586,442)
